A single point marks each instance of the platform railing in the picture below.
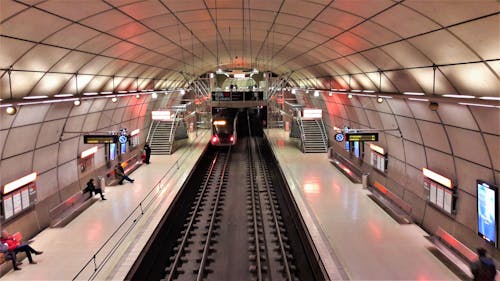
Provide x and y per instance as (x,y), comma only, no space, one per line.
(99,259)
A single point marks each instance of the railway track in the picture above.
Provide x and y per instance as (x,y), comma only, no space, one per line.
(234,220)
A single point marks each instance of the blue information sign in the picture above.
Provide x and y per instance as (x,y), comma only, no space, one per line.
(339,137)
(122,139)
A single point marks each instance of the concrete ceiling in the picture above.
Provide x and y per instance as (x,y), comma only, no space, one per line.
(435,46)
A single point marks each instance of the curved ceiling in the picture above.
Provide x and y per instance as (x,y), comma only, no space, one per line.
(436,47)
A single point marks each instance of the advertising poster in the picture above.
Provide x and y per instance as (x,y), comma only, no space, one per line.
(439,197)
(8,208)
(448,197)
(25,198)
(486,212)
(432,194)
(16,201)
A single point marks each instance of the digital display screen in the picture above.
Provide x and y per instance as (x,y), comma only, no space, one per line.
(112,151)
(362,136)
(487,212)
(347,146)
(123,149)
(356,149)
(96,139)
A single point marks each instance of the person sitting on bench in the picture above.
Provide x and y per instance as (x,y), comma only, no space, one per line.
(4,249)
(121,173)
(16,246)
(91,188)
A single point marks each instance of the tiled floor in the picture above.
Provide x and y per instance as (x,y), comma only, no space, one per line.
(366,242)
(67,249)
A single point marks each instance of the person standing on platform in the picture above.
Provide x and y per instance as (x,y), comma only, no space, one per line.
(121,173)
(483,269)
(92,189)
(147,151)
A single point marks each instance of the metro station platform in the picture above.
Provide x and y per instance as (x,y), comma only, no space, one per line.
(355,238)
(68,249)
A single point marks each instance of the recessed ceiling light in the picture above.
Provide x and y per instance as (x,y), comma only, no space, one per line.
(355,91)
(106,93)
(368,91)
(415,99)
(90,94)
(34,97)
(459,96)
(63,95)
(413,94)
(489,98)
(479,104)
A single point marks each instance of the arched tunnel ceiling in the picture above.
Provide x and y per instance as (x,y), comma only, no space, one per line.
(435,46)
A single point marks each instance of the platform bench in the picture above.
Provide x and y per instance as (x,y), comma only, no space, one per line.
(133,164)
(66,211)
(5,258)
(455,253)
(345,166)
(391,203)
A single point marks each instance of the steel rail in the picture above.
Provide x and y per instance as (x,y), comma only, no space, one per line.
(178,255)
(205,253)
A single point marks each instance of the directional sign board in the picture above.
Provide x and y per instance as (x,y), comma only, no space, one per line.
(361,137)
(339,137)
(95,139)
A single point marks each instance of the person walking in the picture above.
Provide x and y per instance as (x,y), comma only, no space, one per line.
(147,151)
(483,269)
(121,173)
(91,188)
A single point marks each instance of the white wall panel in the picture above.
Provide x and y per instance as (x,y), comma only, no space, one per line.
(457,115)
(45,158)
(11,49)
(41,58)
(415,155)
(415,181)
(400,107)
(68,150)
(468,145)
(91,122)
(118,115)
(469,173)
(3,137)
(99,157)
(396,170)
(466,210)
(97,105)
(82,108)
(485,117)
(20,139)
(58,110)
(67,173)
(395,147)
(105,119)
(493,143)
(46,184)
(421,111)
(434,135)
(30,114)
(73,127)
(50,132)
(16,167)
(440,162)
(409,129)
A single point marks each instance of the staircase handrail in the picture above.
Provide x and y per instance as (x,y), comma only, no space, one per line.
(153,122)
(323,131)
(301,128)
(174,124)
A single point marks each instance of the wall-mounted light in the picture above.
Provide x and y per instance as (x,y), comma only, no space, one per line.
(154,95)
(11,110)
(77,102)
(330,94)
(380,100)
(316,93)
(137,96)
(349,96)
(182,92)
(114,99)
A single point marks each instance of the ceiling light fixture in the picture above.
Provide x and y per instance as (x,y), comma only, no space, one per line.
(77,102)
(11,110)
(63,95)
(349,96)
(154,95)
(413,94)
(489,98)
(137,96)
(416,99)
(479,104)
(90,94)
(34,97)
(114,99)
(380,100)
(459,96)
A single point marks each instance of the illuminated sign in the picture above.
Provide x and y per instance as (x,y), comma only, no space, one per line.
(11,186)
(88,152)
(239,75)
(134,132)
(122,139)
(97,139)
(161,115)
(312,113)
(487,212)
(437,178)
(377,149)
(220,122)
(361,136)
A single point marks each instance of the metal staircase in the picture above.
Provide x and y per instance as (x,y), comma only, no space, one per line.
(161,136)
(313,135)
